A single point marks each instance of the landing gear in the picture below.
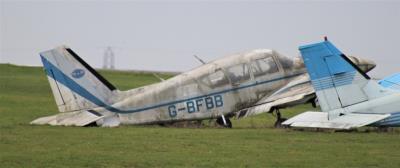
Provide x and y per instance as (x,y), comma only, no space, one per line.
(279,119)
(223,121)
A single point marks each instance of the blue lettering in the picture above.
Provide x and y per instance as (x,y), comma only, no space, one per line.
(198,104)
(209,103)
(172,111)
(190,106)
(218,101)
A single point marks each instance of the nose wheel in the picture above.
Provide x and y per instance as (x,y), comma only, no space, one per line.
(279,119)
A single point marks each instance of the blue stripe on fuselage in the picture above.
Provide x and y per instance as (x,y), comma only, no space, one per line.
(392,120)
(71,84)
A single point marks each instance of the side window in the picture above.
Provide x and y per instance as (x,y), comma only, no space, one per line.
(215,79)
(263,66)
(238,73)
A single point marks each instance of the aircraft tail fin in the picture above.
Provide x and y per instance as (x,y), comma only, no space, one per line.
(75,85)
(338,83)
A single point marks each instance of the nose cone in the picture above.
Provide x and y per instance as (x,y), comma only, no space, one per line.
(364,64)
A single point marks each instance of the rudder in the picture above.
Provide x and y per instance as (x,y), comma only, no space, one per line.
(75,85)
(338,83)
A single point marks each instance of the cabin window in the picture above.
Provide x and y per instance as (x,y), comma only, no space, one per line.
(215,79)
(264,66)
(238,73)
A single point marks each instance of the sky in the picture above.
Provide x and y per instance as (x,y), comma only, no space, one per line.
(164,35)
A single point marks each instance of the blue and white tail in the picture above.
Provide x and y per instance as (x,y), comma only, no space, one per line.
(75,85)
(338,83)
(342,89)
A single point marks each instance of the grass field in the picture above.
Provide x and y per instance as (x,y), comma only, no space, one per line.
(25,95)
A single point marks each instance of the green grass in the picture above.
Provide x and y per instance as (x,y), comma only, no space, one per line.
(25,95)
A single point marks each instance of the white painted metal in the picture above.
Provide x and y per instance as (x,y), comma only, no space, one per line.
(320,120)
(348,97)
(208,91)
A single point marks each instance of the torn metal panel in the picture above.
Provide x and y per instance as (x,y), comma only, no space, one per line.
(298,91)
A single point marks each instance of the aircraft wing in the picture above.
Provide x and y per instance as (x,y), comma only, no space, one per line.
(392,82)
(298,91)
(320,120)
(76,118)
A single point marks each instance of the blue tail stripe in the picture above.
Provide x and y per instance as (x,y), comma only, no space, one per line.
(329,82)
(71,84)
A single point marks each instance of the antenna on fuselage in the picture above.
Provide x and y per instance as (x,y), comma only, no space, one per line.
(195,56)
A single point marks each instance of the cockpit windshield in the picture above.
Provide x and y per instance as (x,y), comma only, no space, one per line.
(264,66)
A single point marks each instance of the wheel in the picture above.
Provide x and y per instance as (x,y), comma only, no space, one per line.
(220,121)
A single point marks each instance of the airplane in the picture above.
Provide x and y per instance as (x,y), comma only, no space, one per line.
(348,97)
(234,86)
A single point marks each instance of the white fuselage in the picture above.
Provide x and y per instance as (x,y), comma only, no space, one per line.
(218,88)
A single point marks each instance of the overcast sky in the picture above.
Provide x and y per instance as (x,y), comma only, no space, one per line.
(164,35)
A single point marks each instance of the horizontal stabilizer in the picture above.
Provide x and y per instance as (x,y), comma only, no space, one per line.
(79,118)
(320,120)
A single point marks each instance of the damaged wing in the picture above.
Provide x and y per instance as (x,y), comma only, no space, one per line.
(298,91)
